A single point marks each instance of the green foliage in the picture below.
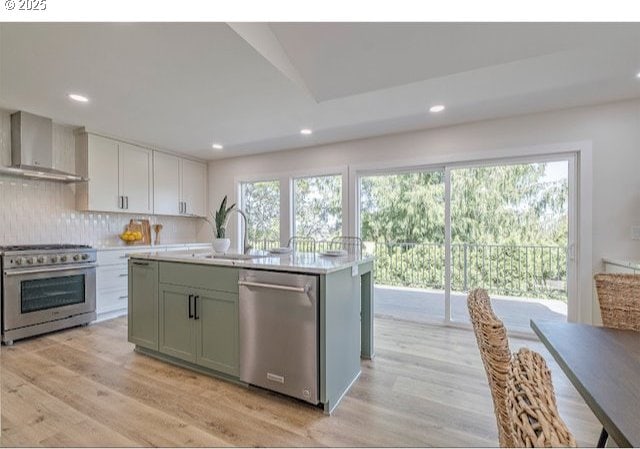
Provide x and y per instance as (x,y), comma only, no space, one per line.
(318,206)
(508,229)
(221,217)
(261,203)
(406,208)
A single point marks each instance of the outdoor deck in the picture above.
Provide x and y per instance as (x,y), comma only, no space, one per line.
(427,306)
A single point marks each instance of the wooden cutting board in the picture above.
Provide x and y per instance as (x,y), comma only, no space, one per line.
(142,226)
(146,232)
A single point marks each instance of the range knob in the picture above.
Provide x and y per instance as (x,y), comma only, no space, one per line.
(29,260)
(20,260)
(40,259)
(63,258)
(54,259)
(85,256)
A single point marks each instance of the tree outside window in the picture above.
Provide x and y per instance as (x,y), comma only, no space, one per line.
(261,202)
(318,207)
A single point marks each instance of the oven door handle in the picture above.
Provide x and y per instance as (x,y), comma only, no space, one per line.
(50,270)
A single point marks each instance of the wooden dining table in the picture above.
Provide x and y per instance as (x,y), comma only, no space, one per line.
(604,366)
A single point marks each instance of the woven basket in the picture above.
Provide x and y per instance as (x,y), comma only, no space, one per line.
(619,298)
(531,403)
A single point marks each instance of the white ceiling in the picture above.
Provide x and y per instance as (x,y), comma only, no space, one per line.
(252,87)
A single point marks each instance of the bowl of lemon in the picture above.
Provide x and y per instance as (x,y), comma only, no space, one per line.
(131,237)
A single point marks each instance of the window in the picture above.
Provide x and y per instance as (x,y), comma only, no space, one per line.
(261,202)
(317,203)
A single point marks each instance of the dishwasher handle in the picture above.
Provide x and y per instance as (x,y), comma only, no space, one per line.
(286,288)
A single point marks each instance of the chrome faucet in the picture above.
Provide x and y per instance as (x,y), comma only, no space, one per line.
(245,241)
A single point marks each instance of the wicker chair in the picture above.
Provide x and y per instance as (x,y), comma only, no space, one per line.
(494,351)
(302,244)
(531,402)
(353,245)
(619,298)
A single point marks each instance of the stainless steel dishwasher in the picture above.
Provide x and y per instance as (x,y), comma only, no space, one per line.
(279,332)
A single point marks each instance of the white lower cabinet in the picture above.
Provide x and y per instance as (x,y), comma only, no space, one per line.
(112,276)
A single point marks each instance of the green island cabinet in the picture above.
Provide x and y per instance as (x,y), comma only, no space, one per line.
(187,314)
(143,304)
(198,315)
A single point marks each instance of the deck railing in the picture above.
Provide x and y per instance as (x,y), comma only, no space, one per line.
(535,271)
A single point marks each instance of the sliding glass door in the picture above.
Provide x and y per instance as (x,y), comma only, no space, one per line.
(402,224)
(509,235)
(438,233)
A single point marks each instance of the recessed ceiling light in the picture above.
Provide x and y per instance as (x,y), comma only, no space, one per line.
(437,108)
(305,131)
(78,97)
(638,75)
(217,146)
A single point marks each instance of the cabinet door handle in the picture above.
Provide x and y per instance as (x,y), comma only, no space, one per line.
(144,264)
(120,202)
(195,308)
(127,198)
(190,312)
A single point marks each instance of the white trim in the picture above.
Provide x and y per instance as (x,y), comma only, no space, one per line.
(584,225)
(465,158)
(447,245)
(573,300)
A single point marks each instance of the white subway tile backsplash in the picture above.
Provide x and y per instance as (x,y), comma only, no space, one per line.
(34,212)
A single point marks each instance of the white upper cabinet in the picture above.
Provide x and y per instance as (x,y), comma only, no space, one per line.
(97,158)
(129,178)
(194,188)
(179,186)
(120,176)
(166,184)
(136,165)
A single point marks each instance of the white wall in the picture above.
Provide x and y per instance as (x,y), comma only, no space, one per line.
(613,130)
(33,211)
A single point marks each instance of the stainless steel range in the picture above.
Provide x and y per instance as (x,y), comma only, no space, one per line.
(46,288)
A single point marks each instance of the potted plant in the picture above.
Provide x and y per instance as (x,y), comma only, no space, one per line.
(221,244)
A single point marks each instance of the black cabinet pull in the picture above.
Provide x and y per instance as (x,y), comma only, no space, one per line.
(195,307)
(190,312)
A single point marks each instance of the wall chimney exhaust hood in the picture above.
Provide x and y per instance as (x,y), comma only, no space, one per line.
(32,150)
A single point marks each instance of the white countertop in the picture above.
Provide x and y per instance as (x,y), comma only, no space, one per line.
(633,264)
(298,262)
(152,247)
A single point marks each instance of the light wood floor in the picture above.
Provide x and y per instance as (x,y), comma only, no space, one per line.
(86,387)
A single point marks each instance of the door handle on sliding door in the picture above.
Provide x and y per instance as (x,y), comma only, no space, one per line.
(195,307)
(190,309)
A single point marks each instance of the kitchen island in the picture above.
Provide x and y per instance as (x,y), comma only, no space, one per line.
(186,307)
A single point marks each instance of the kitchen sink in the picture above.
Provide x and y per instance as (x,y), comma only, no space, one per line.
(235,256)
